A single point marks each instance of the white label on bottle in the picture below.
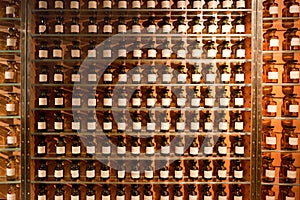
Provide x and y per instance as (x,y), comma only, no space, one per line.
(121,126)
(237,198)
(166,102)
(207,174)
(91,125)
(92,53)
(239,150)
(181,101)
(208,125)
(10,10)
(165,4)
(209,102)
(151,28)
(58,173)
(227,4)
(194,150)
(273,10)
(137,53)
(74,197)
(122,102)
(212,4)
(92,5)
(122,4)
(239,77)
(222,197)
(41,149)
(121,150)
(10,107)
(92,28)
(192,197)
(226,53)
(42,173)
(291,174)
(224,102)
(150,126)
(195,102)
(135,197)
(42,77)
(178,174)
(107,101)
(182,77)
(122,52)
(92,102)
(240,28)
(197,28)
(136,101)
(10,172)
(238,125)
(226,28)
(194,126)
(271,108)
(212,53)
(135,150)
(289,198)
(182,28)
(107,4)
(92,77)
(194,173)
(59,101)
(294,74)
(166,53)
(43,4)
(207,198)
(164,174)
(181,53)
(238,101)
(136,78)
(76,150)
(75,77)
(196,53)
(59,28)
(41,125)
(135,174)
(90,149)
(11,197)
(43,53)
(106,150)
(136,28)
(198,4)
(150,4)
(225,77)
(270,173)
(58,125)
(57,53)
(121,174)
(293,141)
(273,75)
(75,53)
(151,53)
(90,173)
(58,77)
(295,42)
(179,150)
(74,28)
(294,9)
(74,5)
(107,125)
(241,53)
(76,101)
(136,4)
(122,28)
(180,125)
(166,28)
(181,4)
(165,149)
(151,102)
(238,173)
(164,126)
(149,150)
(59,4)
(42,28)
(106,197)
(271,140)
(223,126)
(107,77)
(274,43)
(167,78)
(104,173)
(60,150)
(240,4)
(9,75)
(222,150)
(74,173)
(293,108)
(107,28)
(208,150)
(120,197)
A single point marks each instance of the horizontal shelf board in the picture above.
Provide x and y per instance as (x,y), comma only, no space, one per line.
(116,182)
(10,52)
(144,133)
(143,109)
(138,85)
(281,51)
(9,19)
(279,151)
(145,60)
(281,184)
(282,118)
(156,156)
(10,117)
(280,18)
(4,148)
(280,84)
(142,35)
(10,84)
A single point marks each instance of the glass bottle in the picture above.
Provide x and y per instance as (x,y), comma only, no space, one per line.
(76,124)
(90,147)
(192,192)
(221,170)
(239,25)
(11,170)
(151,52)
(59,26)
(92,26)
(107,4)
(165,4)
(194,149)
(288,170)
(121,146)
(76,147)
(221,146)
(268,170)
(239,74)
(207,122)
(60,147)
(42,4)
(12,104)
(74,4)
(90,193)
(75,75)
(290,107)
(42,194)
(11,9)
(238,172)
(105,171)
(59,171)
(148,194)
(107,99)
(166,26)
(135,194)
(75,193)
(151,25)
(227,4)
(238,146)
(122,74)
(11,138)
(181,26)
(222,122)
(58,76)
(209,100)
(136,27)
(43,75)
(207,195)
(150,149)
(237,193)
(240,4)
(91,101)
(121,123)
(148,170)
(150,4)
(223,98)
(224,74)
(207,170)
(291,10)
(92,51)
(269,106)
(193,170)
(166,99)
(289,138)
(221,194)
(137,52)
(122,100)
(240,52)
(238,122)
(165,146)
(90,171)
(135,171)
(164,194)
(91,124)
(59,100)
(122,27)
(92,4)
(135,146)
(43,52)
(41,146)
(291,72)
(122,4)
(181,50)
(42,123)
(137,122)
(207,147)
(179,147)
(226,51)
(120,192)
(59,4)
(76,100)
(75,50)
(107,122)
(269,138)
(212,4)
(238,98)
(107,27)
(10,73)
(105,193)
(164,123)
(151,100)
(136,99)
(271,72)
(121,174)
(136,4)
(75,170)
(108,75)
(181,99)
(92,75)
(287,193)
(43,26)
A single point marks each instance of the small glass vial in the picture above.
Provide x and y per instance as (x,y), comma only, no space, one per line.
(10,73)
(11,171)
(75,26)
(75,50)
(269,106)
(269,138)
(12,104)
(290,107)
(59,26)
(270,72)
(11,39)
(92,26)
(268,170)
(57,52)
(11,138)
(291,72)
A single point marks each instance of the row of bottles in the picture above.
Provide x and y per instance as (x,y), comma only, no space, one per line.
(121,98)
(141,170)
(150,74)
(290,73)
(220,25)
(211,49)
(146,192)
(141,121)
(164,146)
(138,4)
